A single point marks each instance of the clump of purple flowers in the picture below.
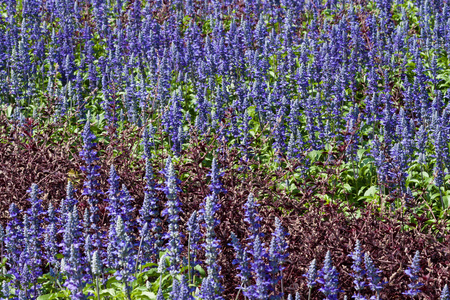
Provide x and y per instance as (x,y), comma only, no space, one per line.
(358,271)
(372,273)
(413,274)
(328,277)
(91,189)
(173,211)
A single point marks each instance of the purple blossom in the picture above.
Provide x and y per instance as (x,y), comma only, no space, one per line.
(193,229)
(91,190)
(311,275)
(212,244)
(358,271)
(413,274)
(328,277)
(445,294)
(150,211)
(242,261)
(372,273)
(277,256)
(252,217)
(172,210)
(114,194)
(51,237)
(13,240)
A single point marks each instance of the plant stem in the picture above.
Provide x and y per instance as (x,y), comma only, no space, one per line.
(189,258)
(126,290)
(137,258)
(97,287)
(282,287)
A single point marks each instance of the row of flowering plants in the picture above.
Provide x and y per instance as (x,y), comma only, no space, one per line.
(371,77)
(327,120)
(60,253)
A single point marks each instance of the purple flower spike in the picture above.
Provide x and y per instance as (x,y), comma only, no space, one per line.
(445,294)
(311,276)
(413,272)
(375,283)
(358,271)
(173,210)
(252,217)
(328,277)
(91,190)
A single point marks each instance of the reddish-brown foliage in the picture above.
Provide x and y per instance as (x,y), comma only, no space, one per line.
(314,226)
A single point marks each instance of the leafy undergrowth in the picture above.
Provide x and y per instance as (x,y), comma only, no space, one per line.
(311,207)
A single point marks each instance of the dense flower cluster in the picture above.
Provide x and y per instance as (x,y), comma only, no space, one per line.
(359,75)
(307,75)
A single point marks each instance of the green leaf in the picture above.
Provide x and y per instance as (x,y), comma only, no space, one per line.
(372,191)
(143,295)
(59,295)
(200,270)
(108,292)
(347,187)
(46,297)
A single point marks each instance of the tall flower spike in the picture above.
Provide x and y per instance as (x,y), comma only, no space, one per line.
(358,272)
(91,190)
(124,252)
(126,207)
(173,210)
(207,291)
(113,194)
(242,260)
(73,268)
(212,244)
(13,237)
(216,185)
(277,256)
(71,235)
(35,231)
(50,237)
(445,294)
(96,264)
(193,229)
(183,290)
(412,273)
(375,283)
(147,136)
(5,289)
(252,217)
(328,277)
(2,238)
(311,276)
(150,213)
(69,202)
(259,290)
(160,295)
(162,264)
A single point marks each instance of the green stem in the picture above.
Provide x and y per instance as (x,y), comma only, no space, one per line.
(237,296)
(137,258)
(282,287)
(189,258)
(97,287)
(126,290)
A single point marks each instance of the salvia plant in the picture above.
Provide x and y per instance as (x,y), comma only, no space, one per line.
(350,95)
(413,274)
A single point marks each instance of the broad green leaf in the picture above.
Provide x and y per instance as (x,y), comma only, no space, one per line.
(372,191)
